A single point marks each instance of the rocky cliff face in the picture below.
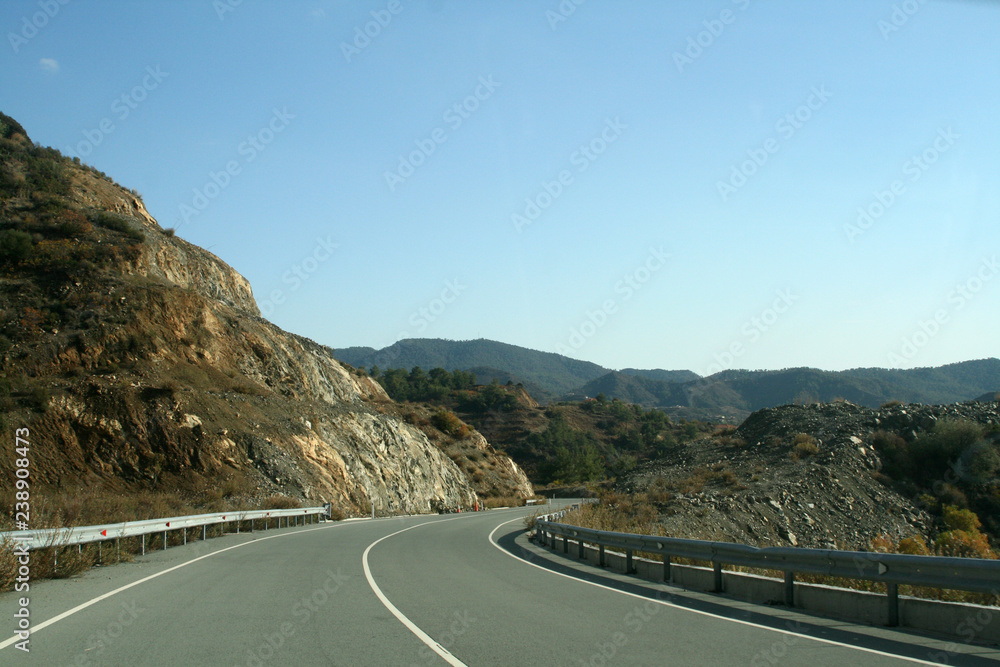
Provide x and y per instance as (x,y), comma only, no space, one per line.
(140,360)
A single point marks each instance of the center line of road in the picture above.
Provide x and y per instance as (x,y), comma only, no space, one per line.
(698,611)
(410,625)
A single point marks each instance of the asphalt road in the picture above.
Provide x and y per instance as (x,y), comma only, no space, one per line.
(434,590)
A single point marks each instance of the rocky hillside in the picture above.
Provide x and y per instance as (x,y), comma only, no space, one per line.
(827,475)
(139,360)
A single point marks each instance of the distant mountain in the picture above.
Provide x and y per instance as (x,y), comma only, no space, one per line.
(636,389)
(736,393)
(554,373)
(662,375)
(733,393)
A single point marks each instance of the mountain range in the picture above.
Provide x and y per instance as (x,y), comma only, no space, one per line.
(729,394)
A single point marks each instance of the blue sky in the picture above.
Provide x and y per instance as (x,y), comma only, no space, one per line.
(639,184)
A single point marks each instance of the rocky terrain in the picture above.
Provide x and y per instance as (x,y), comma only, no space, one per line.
(799,475)
(139,360)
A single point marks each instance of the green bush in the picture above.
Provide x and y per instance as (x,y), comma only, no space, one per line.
(40,397)
(117,223)
(448,423)
(15,246)
(932,453)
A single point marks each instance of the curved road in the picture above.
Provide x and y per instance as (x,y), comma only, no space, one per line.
(460,589)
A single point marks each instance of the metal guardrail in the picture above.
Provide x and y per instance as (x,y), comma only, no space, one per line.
(60,537)
(966,574)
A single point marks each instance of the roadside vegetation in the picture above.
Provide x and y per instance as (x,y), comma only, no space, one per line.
(955,464)
(88,507)
(959,536)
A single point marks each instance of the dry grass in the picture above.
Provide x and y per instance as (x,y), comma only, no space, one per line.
(91,507)
(803,446)
(502,501)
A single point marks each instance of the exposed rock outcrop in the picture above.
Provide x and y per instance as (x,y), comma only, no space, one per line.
(142,362)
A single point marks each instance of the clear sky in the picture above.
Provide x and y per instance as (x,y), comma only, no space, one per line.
(649,184)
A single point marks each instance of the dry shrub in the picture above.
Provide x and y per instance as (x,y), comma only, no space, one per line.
(92,507)
(492,502)
(8,564)
(804,446)
(280,503)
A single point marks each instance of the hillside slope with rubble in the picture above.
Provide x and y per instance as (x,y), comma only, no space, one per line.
(816,476)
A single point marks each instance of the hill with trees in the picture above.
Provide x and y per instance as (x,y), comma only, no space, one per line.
(729,395)
(553,373)
(566,442)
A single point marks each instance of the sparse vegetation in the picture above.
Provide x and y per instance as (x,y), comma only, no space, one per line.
(448,423)
(638,513)
(84,507)
(804,446)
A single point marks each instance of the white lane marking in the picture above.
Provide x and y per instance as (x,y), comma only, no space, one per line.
(698,611)
(410,625)
(105,596)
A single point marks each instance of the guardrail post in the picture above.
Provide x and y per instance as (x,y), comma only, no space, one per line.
(565,544)
(164,540)
(717,571)
(601,552)
(144,544)
(204,532)
(893,592)
(628,562)
(582,552)
(666,567)
(185,535)
(790,589)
